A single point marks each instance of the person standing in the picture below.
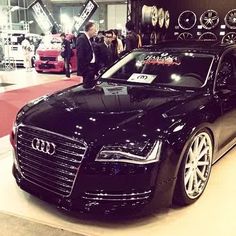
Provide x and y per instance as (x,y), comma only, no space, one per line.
(118,42)
(132,39)
(66,53)
(26,49)
(104,52)
(86,66)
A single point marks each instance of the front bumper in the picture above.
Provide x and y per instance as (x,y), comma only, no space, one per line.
(99,188)
(71,178)
(57,66)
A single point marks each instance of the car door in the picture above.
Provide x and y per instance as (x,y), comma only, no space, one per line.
(226,92)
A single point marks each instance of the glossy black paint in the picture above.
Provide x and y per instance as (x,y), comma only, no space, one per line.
(145,112)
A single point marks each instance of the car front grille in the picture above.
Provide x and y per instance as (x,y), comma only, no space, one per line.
(48,58)
(54,171)
(119,197)
(47,66)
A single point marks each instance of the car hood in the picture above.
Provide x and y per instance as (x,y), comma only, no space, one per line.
(107,111)
(48,52)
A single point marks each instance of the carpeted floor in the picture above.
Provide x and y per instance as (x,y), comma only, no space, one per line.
(13,225)
(12,101)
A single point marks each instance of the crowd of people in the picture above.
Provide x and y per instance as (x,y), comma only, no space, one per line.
(98,50)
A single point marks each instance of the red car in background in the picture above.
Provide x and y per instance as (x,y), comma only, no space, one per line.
(48,55)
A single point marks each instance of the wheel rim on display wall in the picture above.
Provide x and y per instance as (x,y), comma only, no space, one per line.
(229,38)
(187,20)
(230,19)
(208,36)
(209,19)
(185,36)
(167,19)
(161,17)
(154,21)
(153,38)
(149,15)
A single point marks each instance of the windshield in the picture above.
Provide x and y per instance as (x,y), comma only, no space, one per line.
(50,42)
(162,68)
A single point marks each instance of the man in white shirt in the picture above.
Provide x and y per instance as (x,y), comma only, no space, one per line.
(86,60)
(27,52)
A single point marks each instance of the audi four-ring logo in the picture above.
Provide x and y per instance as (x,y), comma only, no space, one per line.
(43,146)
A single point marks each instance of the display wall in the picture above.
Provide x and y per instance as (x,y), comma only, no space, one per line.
(175,8)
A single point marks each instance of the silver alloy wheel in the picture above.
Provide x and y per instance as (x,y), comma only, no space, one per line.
(185,36)
(209,19)
(230,19)
(187,20)
(208,36)
(198,165)
(229,38)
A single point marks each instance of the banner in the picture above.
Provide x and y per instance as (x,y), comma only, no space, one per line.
(85,14)
(43,17)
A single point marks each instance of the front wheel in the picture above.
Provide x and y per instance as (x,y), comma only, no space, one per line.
(195,169)
(39,71)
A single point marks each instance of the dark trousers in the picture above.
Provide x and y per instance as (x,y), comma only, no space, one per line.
(67,66)
(89,76)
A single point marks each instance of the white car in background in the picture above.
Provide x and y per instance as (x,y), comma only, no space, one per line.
(11,45)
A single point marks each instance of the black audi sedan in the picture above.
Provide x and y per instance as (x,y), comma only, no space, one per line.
(146,136)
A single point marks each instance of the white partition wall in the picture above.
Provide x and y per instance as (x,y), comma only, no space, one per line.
(116,16)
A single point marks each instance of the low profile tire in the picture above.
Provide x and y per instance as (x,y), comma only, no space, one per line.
(195,169)
(39,71)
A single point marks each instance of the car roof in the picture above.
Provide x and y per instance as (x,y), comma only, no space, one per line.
(205,47)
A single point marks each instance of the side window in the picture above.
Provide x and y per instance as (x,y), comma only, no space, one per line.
(227,71)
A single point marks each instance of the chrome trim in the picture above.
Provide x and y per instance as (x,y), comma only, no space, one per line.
(44,178)
(65,144)
(75,170)
(57,156)
(43,146)
(117,197)
(53,133)
(47,173)
(209,72)
(47,160)
(48,167)
(225,152)
(40,181)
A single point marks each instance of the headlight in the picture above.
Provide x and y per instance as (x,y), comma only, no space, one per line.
(131,152)
(60,58)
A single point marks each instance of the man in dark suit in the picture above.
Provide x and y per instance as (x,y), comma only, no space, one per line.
(66,53)
(104,51)
(86,66)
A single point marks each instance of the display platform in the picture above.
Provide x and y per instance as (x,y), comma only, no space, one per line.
(213,214)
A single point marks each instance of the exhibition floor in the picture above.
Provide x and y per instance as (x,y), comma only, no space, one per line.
(213,214)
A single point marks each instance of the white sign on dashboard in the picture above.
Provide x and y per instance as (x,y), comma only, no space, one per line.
(117,90)
(142,78)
